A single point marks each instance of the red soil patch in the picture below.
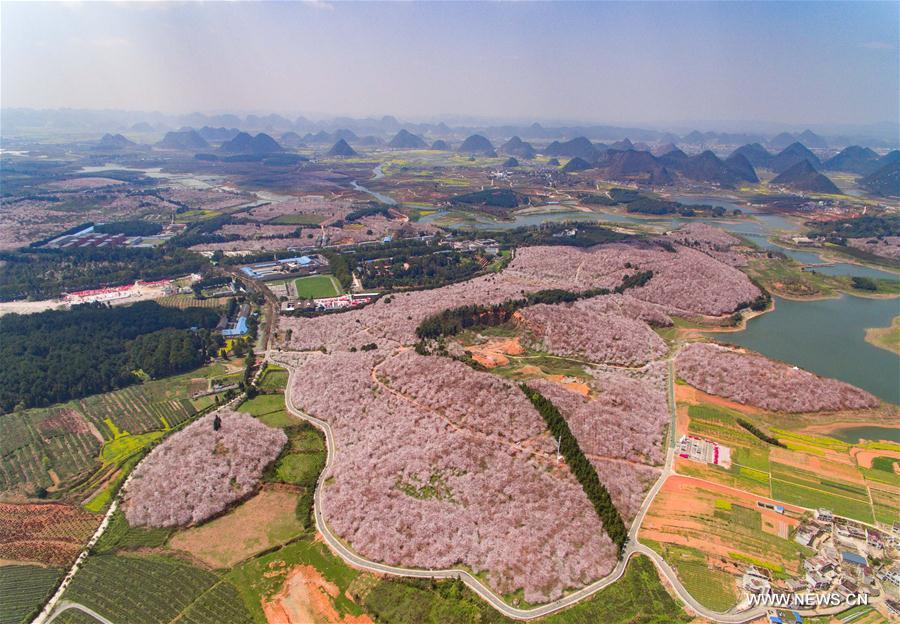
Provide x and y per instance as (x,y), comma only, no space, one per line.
(49,533)
(864,457)
(692,395)
(571,384)
(306,598)
(493,352)
(66,420)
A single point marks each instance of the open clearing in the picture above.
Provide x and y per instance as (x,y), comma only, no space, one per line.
(264,521)
(317,287)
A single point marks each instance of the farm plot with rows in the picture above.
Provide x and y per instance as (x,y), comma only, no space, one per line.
(34,442)
(23,590)
(153,589)
(45,533)
(54,446)
(190,301)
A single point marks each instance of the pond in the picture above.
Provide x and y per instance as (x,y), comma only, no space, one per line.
(827,337)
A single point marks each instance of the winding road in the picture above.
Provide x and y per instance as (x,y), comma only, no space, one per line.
(634,547)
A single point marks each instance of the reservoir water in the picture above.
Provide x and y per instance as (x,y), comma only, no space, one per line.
(827,337)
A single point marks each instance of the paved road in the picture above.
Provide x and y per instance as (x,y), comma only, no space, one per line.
(477,586)
(65,605)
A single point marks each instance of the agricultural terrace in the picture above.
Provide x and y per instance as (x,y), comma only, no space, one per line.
(685,281)
(57,447)
(754,380)
(317,287)
(710,534)
(200,470)
(809,470)
(44,533)
(414,441)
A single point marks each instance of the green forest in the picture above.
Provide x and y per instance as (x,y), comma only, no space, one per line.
(57,356)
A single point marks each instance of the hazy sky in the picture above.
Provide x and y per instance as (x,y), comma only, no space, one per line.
(609,62)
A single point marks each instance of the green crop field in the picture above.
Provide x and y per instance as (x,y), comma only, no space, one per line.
(273,380)
(33,441)
(713,589)
(813,498)
(24,589)
(886,505)
(317,286)
(64,438)
(151,589)
(120,536)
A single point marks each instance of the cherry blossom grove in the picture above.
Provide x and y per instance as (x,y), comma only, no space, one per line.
(752,379)
(580,330)
(421,478)
(685,281)
(199,471)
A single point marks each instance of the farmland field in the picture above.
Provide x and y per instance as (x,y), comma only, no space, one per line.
(270,409)
(317,286)
(23,590)
(273,380)
(128,589)
(67,438)
(792,485)
(120,536)
(264,521)
(47,533)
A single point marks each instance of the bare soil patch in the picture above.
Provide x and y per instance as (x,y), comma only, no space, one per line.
(305,598)
(264,521)
(493,352)
(864,457)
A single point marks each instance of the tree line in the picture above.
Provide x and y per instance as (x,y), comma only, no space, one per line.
(759,433)
(581,467)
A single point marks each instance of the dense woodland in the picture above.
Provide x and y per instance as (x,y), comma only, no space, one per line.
(129,228)
(45,274)
(56,356)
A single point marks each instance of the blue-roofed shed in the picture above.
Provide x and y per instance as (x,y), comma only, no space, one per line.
(854,558)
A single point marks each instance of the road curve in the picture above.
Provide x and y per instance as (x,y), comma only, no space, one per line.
(65,605)
(634,547)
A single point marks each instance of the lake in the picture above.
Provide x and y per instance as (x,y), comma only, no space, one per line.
(827,337)
(852,435)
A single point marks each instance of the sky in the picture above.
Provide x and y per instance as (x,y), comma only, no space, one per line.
(620,63)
